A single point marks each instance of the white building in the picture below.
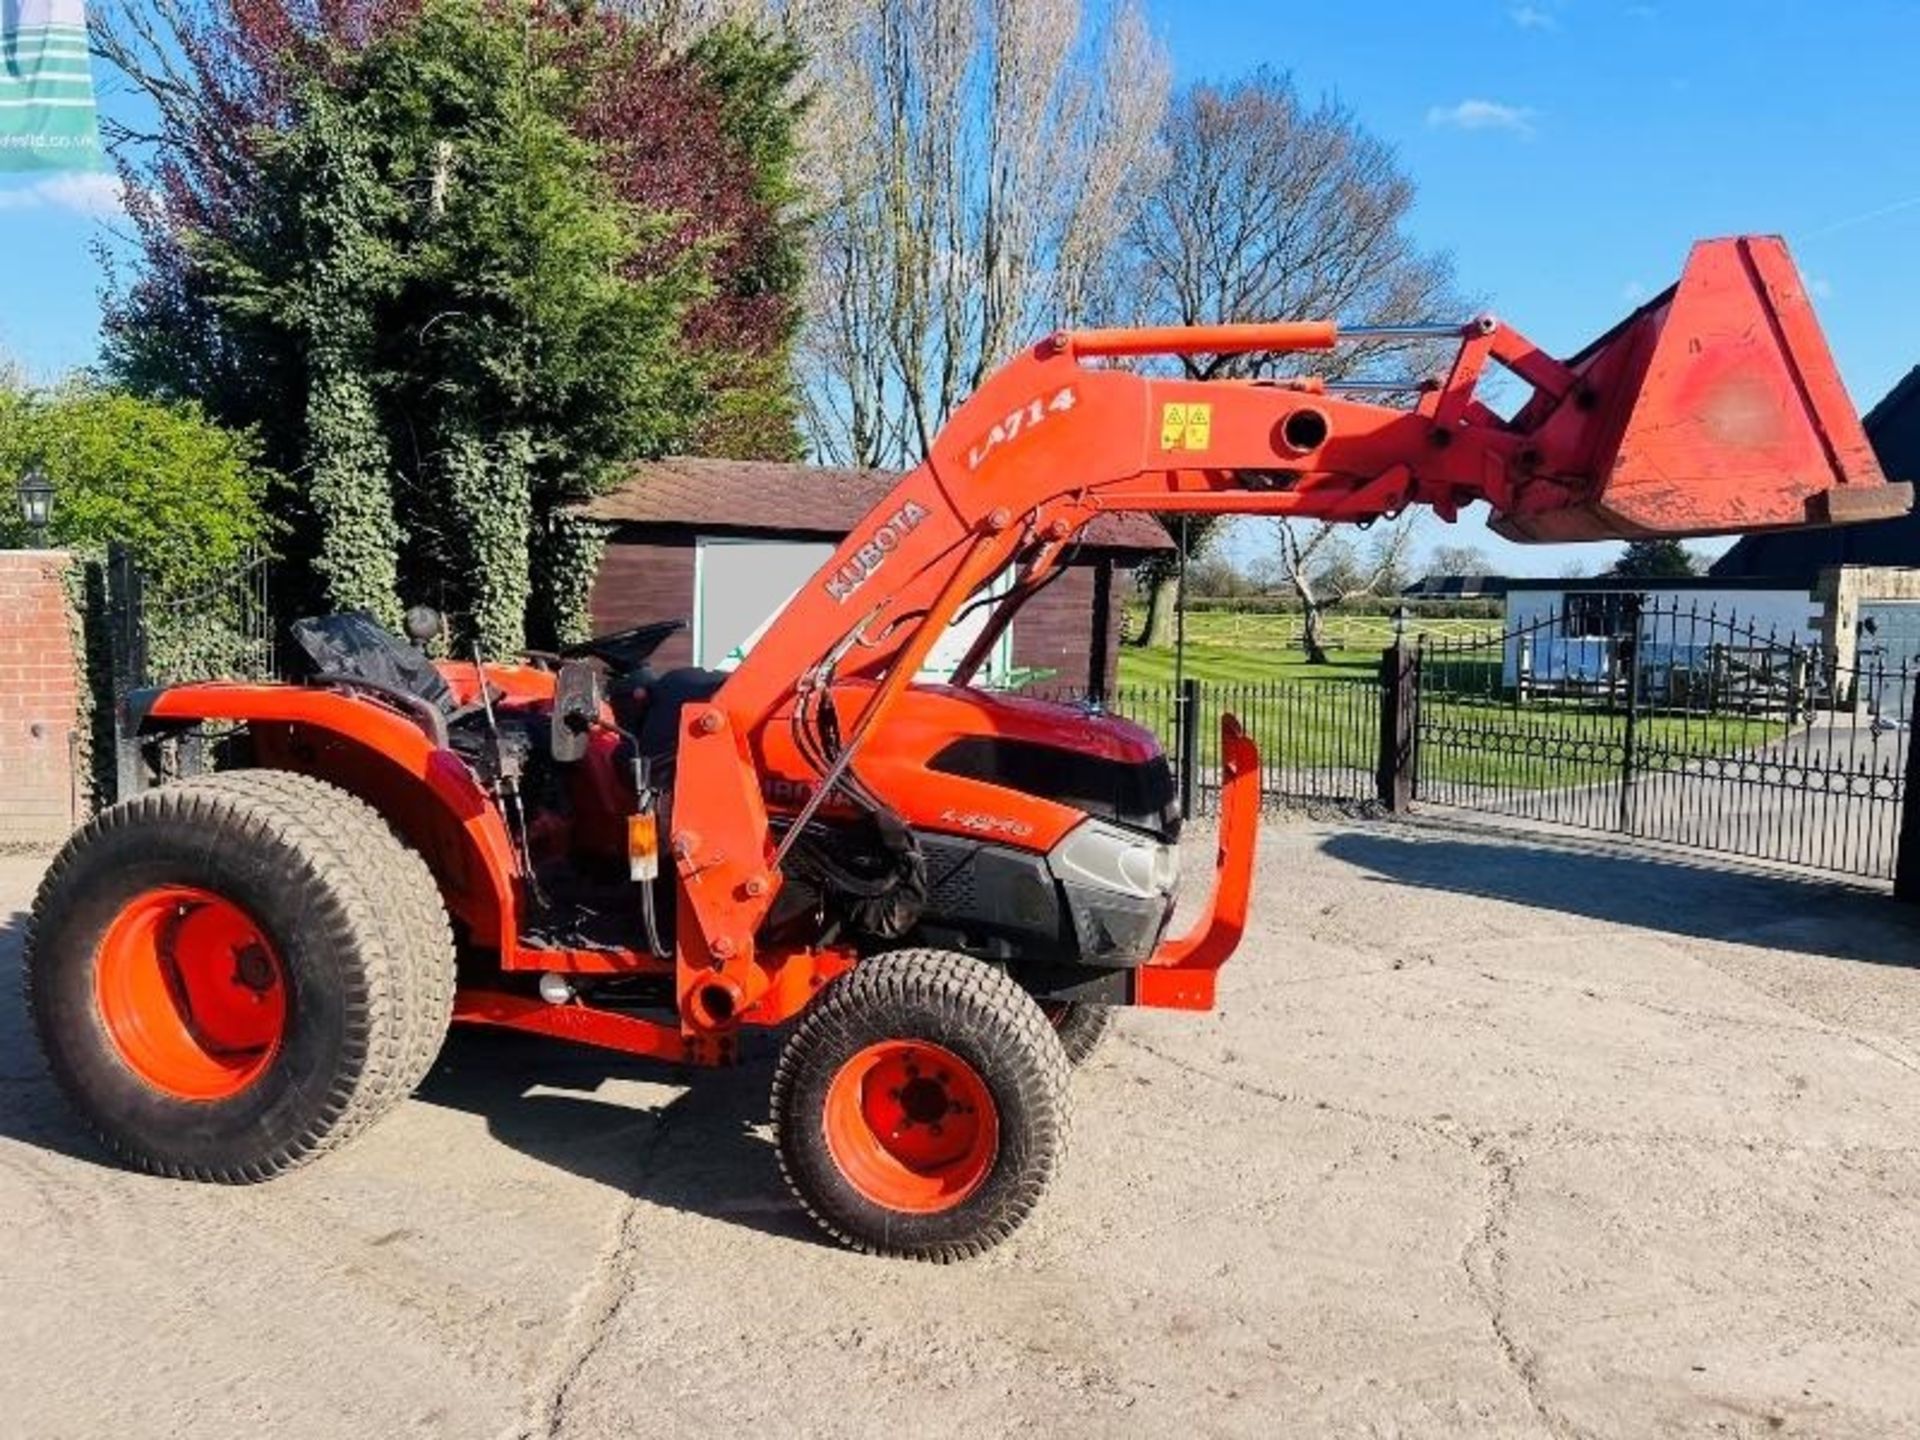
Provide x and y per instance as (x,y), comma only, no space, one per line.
(1562,632)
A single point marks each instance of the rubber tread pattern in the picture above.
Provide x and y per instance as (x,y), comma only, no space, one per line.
(1082,1027)
(409,892)
(982,1015)
(360,890)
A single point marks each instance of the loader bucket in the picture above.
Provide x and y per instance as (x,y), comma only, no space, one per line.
(1712,409)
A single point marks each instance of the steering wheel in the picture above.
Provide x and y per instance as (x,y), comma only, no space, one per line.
(626,650)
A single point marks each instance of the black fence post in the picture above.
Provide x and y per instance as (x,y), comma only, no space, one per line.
(1419,698)
(1393,773)
(1906,865)
(1189,757)
(1098,651)
(1627,652)
(127,660)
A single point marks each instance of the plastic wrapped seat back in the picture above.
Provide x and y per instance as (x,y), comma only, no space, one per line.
(353,645)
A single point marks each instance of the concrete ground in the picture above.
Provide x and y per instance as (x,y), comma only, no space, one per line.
(1492,1135)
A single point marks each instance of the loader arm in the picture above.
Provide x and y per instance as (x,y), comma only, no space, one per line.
(1714,408)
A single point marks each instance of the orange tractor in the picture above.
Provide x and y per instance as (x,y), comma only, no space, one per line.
(944,889)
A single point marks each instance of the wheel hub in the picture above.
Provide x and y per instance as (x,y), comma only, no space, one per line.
(191,992)
(253,968)
(911,1126)
(924,1100)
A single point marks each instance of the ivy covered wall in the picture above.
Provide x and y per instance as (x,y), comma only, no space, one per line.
(457,264)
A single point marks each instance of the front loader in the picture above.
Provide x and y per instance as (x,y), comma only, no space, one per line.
(941,889)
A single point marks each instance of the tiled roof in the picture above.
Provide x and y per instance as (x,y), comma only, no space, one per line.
(770,495)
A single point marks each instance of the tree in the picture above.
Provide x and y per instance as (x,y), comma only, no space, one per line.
(1458,560)
(427,251)
(708,133)
(183,494)
(1269,209)
(974,166)
(1322,568)
(1218,576)
(1655,560)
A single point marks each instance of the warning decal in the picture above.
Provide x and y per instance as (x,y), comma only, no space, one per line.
(1185,427)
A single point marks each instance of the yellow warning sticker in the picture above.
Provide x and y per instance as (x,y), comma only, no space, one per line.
(1185,427)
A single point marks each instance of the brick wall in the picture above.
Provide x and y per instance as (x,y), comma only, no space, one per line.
(1841,592)
(39,699)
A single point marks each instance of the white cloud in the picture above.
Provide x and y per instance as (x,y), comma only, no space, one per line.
(1532,17)
(83,193)
(1482,115)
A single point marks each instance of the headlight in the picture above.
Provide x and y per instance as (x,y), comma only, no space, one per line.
(1096,853)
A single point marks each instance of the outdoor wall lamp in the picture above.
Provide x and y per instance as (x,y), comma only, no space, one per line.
(36,504)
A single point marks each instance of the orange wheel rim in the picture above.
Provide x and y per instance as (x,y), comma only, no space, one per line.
(912,1126)
(191,992)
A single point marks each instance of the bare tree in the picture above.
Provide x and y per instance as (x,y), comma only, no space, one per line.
(1458,560)
(975,164)
(1322,568)
(1269,209)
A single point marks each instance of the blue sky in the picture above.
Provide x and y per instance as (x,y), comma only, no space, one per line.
(1566,152)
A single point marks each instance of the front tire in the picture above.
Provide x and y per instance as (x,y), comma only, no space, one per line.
(232,975)
(1081,1025)
(922,1106)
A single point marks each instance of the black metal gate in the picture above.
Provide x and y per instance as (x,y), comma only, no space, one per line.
(222,630)
(140,634)
(1644,718)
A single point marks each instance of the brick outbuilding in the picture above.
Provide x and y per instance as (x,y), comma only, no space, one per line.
(724,544)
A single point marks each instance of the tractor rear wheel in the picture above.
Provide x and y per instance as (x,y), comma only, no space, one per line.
(922,1106)
(231,975)
(1081,1026)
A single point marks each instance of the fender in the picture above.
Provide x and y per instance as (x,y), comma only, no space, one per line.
(424,791)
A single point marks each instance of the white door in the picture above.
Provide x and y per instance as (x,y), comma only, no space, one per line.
(741,586)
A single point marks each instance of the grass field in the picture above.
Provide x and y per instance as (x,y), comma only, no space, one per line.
(1252,648)
(1322,726)
(1325,718)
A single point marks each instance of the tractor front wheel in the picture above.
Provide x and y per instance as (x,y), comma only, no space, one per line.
(922,1106)
(231,975)
(1081,1024)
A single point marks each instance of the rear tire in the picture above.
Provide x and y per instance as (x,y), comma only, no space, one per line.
(406,891)
(1080,1025)
(232,975)
(922,1106)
